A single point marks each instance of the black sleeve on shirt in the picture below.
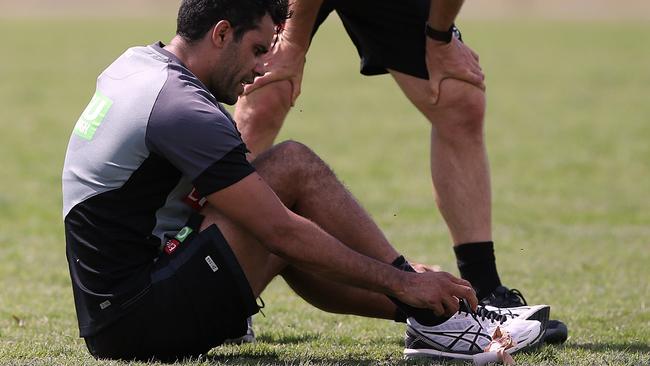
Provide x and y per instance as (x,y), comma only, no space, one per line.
(228,170)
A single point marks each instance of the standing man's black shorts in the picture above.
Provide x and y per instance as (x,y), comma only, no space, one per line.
(388,34)
(199,296)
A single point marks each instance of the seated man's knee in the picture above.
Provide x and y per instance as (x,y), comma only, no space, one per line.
(298,160)
(459,112)
(286,156)
(294,152)
(289,168)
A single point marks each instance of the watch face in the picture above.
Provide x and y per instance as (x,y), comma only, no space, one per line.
(456,32)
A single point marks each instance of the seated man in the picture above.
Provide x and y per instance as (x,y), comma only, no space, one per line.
(171,233)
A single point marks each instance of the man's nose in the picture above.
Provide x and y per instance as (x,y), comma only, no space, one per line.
(260,67)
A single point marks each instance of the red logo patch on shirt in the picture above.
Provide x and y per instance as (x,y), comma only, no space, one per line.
(195,200)
(171,246)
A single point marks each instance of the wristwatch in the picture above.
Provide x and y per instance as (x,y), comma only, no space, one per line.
(438,35)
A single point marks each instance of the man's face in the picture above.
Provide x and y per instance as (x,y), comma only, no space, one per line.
(241,62)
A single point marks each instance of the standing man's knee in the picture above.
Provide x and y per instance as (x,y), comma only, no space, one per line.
(459,114)
(266,102)
(261,114)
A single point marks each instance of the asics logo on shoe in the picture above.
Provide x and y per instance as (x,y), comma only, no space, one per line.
(470,341)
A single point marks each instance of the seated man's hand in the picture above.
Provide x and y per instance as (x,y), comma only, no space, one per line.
(438,291)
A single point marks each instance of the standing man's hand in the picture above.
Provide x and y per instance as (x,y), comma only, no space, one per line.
(452,60)
(448,58)
(421,268)
(286,61)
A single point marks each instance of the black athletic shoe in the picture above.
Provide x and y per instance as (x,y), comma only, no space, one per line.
(503,297)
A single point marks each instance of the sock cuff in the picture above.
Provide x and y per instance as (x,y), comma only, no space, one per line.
(398,262)
(474,252)
(402,264)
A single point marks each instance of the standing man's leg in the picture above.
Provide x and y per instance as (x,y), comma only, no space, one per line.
(460,172)
(260,115)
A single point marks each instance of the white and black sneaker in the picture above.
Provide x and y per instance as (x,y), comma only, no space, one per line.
(468,333)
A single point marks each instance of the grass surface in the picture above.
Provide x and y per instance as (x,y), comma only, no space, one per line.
(568,138)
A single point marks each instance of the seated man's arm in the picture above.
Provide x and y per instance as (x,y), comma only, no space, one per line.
(253,205)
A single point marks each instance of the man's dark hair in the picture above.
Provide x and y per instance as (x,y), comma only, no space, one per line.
(196,17)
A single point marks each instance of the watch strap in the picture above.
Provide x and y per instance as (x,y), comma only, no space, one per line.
(438,35)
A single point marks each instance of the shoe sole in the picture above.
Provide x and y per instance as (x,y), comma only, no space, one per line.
(529,344)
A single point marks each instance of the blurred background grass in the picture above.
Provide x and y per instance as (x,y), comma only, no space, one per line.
(568,139)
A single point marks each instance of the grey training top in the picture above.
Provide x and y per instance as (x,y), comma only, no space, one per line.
(151,134)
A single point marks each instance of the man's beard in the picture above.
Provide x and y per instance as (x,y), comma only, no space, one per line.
(222,95)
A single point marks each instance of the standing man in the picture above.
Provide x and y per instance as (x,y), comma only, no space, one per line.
(418,44)
(171,233)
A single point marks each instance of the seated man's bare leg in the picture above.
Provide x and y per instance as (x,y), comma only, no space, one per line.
(260,267)
(335,297)
(306,185)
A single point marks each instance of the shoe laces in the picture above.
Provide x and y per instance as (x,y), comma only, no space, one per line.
(482,313)
(516,295)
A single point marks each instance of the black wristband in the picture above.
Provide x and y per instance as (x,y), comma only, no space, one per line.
(438,35)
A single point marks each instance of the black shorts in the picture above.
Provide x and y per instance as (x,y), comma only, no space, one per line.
(199,297)
(388,34)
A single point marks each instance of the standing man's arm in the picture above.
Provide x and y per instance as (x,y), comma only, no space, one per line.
(442,13)
(286,60)
(453,59)
(444,60)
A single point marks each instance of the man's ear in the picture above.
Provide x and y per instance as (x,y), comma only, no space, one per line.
(222,33)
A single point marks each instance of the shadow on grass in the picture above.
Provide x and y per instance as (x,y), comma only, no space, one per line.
(636,347)
(257,361)
(288,339)
(271,357)
(270,350)
(282,358)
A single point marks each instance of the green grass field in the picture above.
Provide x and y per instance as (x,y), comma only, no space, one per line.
(568,126)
